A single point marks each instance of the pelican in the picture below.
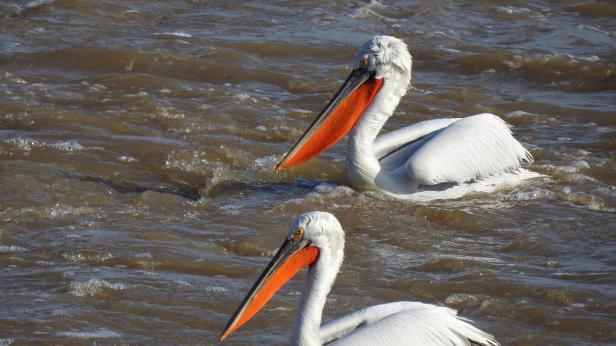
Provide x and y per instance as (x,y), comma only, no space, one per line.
(432,155)
(316,240)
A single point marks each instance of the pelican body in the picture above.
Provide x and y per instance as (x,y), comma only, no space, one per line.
(316,240)
(432,155)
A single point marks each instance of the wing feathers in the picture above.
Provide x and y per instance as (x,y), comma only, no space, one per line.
(390,141)
(406,323)
(469,149)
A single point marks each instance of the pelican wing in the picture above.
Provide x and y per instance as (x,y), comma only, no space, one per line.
(469,149)
(393,141)
(404,323)
(345,325)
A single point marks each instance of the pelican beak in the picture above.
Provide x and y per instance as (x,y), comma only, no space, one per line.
(292,256)
(337,119)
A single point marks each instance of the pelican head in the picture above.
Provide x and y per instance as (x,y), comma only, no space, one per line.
(311,236)
(383,61)
(387,56)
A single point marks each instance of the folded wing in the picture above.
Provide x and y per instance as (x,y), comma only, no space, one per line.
(404,323)
(469,149)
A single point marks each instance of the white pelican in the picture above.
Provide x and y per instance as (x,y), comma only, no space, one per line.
(432,155)
(316,240)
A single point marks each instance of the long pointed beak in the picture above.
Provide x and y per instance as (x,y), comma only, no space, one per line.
(337,119)
(288,261)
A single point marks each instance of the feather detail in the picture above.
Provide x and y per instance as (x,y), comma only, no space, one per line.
(469,149)
(404,323)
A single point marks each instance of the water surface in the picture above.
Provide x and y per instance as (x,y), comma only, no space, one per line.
(138,139)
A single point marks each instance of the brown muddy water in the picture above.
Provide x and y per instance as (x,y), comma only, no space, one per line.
(138,139)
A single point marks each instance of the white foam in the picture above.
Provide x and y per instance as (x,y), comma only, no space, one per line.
(45,263)
(215,289)
(37,3)
(27,144)
(196,163)
(367,11)
(139,94)
(512,10)
(518,114)
(244,97)
(534,195)
(6,341)
(302,111)
(99,333)
(461,298)
(61,210)
(265,163)
(333,190)
(173,33)
(60,312)
(127,158)
(93,287)
(67,146)
(11,249)
(231,209)
(182,283)
(488,185)
(578,306)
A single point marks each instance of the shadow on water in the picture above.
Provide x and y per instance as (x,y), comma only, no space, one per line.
(214,190)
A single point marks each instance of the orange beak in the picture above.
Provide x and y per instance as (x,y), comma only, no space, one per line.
(337,119)
(288,261)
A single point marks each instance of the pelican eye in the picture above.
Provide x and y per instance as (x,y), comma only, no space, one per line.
(363,63)
(298,234)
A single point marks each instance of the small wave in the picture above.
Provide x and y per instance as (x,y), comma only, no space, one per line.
(6,341)
(37,3)
(231,209)
(244,97)
(590,201)
(27,144)
(333,190)
(590,9)
(512,10)
(461,299)
(99,333)
(62,210)
(266,163)
(301,111)
(6,249)
(533,195)
(577,306)
(518,114)
(188,162)
(31,5)
(127,158)
(44,263)
(182,283)
(60,312)
(561,71)
(215,290)
(173,34)
(93,287)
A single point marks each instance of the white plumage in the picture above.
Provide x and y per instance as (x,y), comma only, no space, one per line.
(424,155)
(400,323)
(441,158)
(477,147)
(403,323)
